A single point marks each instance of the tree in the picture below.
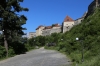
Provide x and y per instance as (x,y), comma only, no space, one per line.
(11,22)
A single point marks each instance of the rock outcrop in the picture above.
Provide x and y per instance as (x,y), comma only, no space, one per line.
(92,7)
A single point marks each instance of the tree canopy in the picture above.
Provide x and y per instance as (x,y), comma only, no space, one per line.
(10,21)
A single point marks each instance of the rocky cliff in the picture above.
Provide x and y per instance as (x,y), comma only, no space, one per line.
(92,7)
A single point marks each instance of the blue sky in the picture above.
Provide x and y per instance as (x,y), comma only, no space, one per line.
(48,12)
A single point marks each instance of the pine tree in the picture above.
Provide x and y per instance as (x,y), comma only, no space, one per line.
(11,22)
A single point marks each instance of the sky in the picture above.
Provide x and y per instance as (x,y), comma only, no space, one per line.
(48,12)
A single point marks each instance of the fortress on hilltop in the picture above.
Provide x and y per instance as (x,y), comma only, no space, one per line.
(67,24)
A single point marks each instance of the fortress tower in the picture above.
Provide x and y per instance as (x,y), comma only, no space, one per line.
(67,24)
(97,3)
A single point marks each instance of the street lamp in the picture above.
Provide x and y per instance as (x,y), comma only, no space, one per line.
(61,39)
(77,38)
(82,49)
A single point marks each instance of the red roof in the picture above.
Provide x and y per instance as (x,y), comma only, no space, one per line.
(68,19)
(48,27)
(39,27)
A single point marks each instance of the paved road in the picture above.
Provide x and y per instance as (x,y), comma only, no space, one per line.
(38,57)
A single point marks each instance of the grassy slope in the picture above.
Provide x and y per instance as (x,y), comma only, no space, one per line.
(89,34)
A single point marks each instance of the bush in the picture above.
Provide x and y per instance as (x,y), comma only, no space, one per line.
(11,52)
(28,47)
(76,57)
(2,52)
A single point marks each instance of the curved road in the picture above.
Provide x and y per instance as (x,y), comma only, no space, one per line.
(38,57)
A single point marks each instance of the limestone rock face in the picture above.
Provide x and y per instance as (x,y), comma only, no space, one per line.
(92,7)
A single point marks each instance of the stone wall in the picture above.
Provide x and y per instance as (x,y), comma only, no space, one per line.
(32,34)
(78,21)
(66,28)
(92,7)
(55,30)
(46,32)
(39,31)
(50,31)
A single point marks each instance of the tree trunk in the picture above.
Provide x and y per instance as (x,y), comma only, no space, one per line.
(5,43)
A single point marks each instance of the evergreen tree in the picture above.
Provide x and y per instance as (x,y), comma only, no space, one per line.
(10,21)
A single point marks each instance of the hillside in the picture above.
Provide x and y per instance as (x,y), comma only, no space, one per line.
(88,33)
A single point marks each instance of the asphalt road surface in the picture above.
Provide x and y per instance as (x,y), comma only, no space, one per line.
(38,57)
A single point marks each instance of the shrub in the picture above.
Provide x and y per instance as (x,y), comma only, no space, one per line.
(11,52)
(2,52)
